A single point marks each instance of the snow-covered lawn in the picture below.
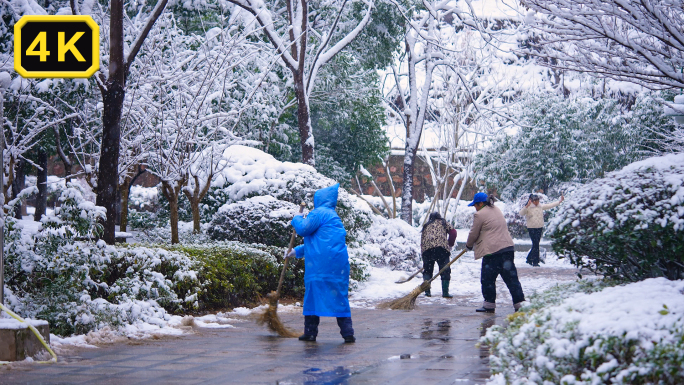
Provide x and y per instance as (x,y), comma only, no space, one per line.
(583,333)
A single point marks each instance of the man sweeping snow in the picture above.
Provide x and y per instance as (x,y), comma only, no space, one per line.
(326,269)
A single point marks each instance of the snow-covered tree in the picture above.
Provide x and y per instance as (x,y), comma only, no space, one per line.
(120,52)
(308,34)
(347,119)
(569,140)
(638,41)
(185,102)
(457,74)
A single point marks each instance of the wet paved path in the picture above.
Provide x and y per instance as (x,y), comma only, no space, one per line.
(437,342)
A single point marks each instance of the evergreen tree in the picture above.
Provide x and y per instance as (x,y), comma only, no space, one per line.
(568,140)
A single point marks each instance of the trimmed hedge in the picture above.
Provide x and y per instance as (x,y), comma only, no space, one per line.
(235,274)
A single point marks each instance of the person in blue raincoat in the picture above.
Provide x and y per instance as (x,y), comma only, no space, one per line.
(326,268)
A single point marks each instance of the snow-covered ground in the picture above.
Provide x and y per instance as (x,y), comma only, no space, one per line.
(175,326)
(465,285)
(465,281)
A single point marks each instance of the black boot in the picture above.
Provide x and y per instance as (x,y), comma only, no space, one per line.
(349,339)
(484,310)
(305,337)
(427,293)
(445,290)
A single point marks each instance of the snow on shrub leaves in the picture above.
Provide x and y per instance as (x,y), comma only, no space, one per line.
(261,219)
(628,225)
(63,276)
(248,172)
(390,242)
(584,333)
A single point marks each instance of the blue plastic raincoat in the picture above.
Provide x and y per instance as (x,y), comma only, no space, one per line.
(326,274)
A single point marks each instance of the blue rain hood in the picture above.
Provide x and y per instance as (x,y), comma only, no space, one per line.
(326,267)
(327,197)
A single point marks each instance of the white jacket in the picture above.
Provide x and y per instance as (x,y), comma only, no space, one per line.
(535,214)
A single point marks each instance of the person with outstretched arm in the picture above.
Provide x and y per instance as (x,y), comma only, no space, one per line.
(492,242)
(534,216)
(326,268)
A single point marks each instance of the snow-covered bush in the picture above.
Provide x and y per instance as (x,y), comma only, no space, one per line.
(236,274)
(248,172)
(628,225)
(143,198)
(62,275)
(261,219)
(586,333)
(390,242)
(75,218)
(144,211)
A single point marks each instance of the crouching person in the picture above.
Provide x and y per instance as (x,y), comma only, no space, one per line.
(326,268)
(493,243)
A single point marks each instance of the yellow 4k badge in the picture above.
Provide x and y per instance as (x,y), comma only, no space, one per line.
(56,46)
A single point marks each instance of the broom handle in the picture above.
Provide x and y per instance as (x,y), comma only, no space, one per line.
(448,264)
(285,263)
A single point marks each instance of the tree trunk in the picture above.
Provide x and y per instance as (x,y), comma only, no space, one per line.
(112,97)
(407,188)
(68,165)
(124,190)
(171,193)
(194,204)
(304,121)
(108,174)
(41,198)
(195,196)
(19,184)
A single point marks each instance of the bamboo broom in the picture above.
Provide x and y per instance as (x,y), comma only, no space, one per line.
(408,302)
(270,316)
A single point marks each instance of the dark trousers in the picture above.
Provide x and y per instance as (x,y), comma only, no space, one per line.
(311,325)
(535,236)
(502,264)
(439,255)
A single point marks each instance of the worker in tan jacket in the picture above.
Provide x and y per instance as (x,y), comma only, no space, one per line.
(492,242)
(534,215)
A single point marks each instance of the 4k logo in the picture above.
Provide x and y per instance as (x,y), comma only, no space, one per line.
(56,46)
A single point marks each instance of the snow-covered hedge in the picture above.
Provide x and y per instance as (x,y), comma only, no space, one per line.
(584,333)
(63,276)
(248,172)
(143,198)
(390,242)
(628,225)
(261,219)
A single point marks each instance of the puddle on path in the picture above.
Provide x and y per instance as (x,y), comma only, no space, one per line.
(316,376)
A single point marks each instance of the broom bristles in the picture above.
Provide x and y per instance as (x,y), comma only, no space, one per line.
(272,321)
(407,302)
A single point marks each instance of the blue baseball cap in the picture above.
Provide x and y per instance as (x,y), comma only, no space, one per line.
(479,197)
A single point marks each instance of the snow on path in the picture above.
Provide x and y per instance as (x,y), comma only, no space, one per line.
(464,284)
